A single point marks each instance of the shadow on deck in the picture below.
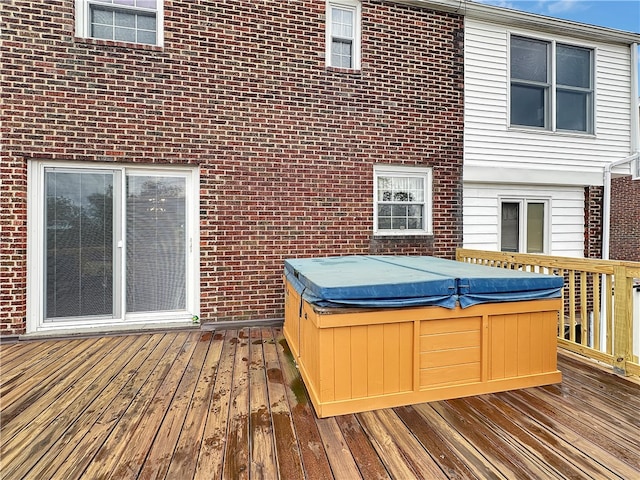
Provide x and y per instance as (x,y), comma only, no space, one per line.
(230,404)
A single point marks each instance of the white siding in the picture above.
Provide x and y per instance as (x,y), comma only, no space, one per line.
(480,215)
(558,158)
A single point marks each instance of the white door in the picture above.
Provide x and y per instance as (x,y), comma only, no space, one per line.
(114,246)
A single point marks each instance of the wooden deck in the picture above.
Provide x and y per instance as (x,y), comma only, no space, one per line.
(231,404)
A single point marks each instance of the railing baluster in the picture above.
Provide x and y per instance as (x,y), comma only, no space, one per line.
(596,311)
(584,337)
(562,296)
(572,305)
(609,313)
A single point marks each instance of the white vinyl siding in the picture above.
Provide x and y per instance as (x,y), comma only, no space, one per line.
(481,215)
(557,157)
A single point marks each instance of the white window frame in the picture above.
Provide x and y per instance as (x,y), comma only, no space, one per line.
(83,19)
(426,175)
(552,87)
(36,244)
(522,221)
(355,7)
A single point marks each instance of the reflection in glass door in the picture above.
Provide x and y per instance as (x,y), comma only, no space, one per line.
(156,243)
(78,244)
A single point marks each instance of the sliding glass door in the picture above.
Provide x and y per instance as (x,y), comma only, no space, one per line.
(115,244)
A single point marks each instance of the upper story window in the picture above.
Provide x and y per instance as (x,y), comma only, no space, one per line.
(132,21)
(402,200)
(551,85)
(343,34)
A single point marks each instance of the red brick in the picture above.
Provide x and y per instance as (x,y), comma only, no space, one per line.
(241,90)
(625,219)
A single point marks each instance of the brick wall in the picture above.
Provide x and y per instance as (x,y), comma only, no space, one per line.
(13,243)
(625,219)
(593,222)
(286,146)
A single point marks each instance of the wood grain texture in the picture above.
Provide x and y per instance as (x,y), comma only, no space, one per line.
(202,405)
(399,356)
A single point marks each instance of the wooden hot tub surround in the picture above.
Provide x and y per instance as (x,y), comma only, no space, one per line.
(358,359)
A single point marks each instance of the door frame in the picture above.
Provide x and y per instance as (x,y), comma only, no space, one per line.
(36,256)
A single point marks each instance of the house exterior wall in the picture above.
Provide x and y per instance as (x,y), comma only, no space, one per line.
(481,214)
(625,216)
(284,145)
(554,158)
(565,168)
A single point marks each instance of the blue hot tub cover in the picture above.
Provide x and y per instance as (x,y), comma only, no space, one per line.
(368,281)
(396,281)
(483,284)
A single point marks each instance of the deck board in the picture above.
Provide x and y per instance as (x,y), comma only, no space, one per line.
(288,456)
(30,386)
(369,464)
(156,462)
(340,457)
(236,456)
(231,404)
(449,461)
(17,360)
(596,446)
(261,442)
(53,413)
(92,425)
(184,461)
(314,459)
(556,450)
(211,454)
(486,440)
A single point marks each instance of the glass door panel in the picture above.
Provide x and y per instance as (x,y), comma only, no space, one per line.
(78,244)
(510,227)
(535,227)
(156,257)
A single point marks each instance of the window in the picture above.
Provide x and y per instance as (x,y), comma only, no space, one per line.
(132,21)
(523,225)
(556,96)
(343,34)
(402,200)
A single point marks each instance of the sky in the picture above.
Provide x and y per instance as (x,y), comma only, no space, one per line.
(618,14)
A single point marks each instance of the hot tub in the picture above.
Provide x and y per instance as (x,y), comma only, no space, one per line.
(371,332)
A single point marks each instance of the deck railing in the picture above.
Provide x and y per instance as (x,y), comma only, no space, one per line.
(601,303)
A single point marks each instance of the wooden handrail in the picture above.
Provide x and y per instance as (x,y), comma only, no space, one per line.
(597,298)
